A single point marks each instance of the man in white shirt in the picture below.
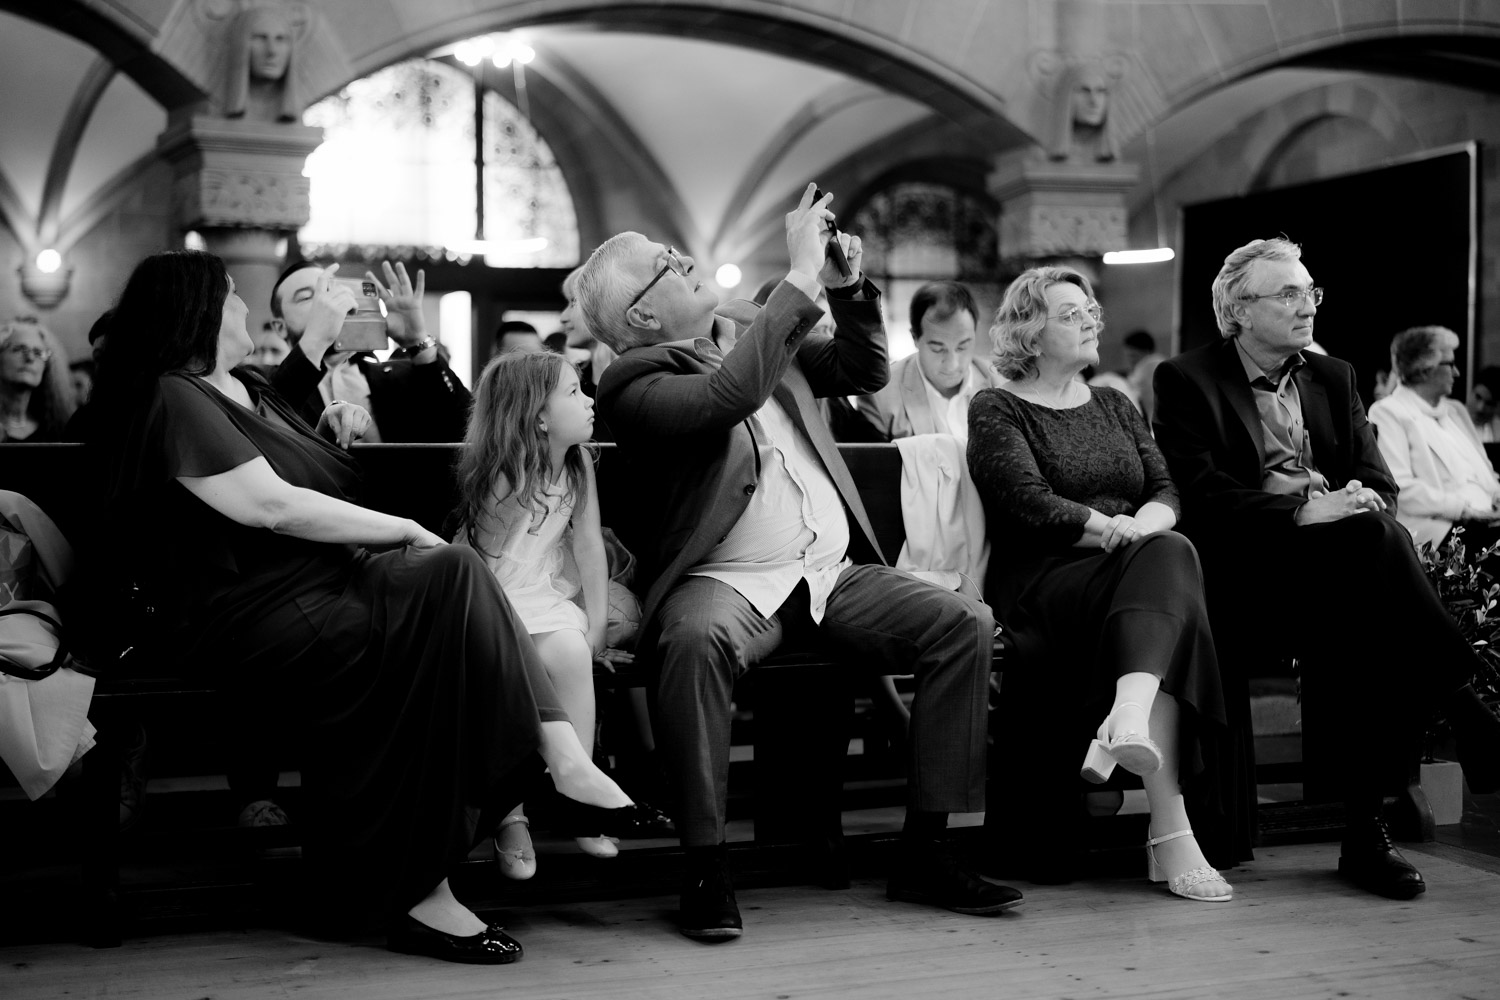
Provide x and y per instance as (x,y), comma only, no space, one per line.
(755,531)
(929,391)
(1429,442)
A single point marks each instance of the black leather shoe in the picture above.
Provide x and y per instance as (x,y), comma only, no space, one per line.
(491,946)
(708,911)
(636,821)
(1371,861)
(931,874)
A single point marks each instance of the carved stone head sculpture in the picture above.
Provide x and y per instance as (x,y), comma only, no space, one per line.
(1080,115)
(261,73)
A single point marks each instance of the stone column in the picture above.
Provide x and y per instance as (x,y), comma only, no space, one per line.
(239,183)
(1061,212)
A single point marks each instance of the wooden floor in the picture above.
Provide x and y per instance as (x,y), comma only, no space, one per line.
(1293,930)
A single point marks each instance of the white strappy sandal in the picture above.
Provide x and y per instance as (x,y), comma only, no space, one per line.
(1181,885)
(1132,751)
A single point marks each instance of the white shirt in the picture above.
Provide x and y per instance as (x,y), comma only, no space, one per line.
(345,381)
(952,414)
(794,529)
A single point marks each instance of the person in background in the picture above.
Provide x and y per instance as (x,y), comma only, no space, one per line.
(929,391)
(78,423)
(1283,485)
(411,396)
(271,347)
(1484,404)
(82,375)
(1431,445)
(36,390)
(517,335)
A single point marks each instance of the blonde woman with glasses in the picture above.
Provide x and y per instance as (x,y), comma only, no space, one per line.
(36,391)
(1103,598)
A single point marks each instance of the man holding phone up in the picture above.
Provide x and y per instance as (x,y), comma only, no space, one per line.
(412,396)
(755,532)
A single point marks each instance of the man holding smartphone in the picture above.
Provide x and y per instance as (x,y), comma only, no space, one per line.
(412,396)
(757,533)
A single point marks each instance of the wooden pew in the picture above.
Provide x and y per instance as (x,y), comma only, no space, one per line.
(801,700)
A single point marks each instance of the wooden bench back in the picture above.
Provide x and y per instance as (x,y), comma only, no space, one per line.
(416,481)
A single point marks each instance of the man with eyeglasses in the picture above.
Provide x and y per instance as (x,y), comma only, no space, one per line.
(755,533)
(1290,504)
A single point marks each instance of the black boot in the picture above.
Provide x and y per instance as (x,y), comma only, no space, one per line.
(708,911)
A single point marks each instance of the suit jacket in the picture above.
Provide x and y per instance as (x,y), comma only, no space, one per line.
(1431,462)
(1210,432)
(410,402)
(902,408)
(681,416)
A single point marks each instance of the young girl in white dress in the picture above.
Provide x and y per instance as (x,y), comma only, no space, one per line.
(528,502)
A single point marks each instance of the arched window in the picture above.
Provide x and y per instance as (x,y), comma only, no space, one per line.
(914,232)
(396,174)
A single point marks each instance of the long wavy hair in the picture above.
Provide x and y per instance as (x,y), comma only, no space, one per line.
(167,320)
(52,401)
(506,453)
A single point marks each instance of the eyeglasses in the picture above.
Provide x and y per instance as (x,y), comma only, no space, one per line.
(29,353)
(1291,297)
(674,263)
(1073,315)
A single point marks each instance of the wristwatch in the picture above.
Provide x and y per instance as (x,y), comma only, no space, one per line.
(412,350)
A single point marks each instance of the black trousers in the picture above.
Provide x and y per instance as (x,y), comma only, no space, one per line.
(1350,599)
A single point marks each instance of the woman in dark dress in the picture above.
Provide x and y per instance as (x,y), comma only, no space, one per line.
(421,701)
(1087,574)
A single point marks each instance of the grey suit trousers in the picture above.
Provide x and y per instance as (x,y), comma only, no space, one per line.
(877,618)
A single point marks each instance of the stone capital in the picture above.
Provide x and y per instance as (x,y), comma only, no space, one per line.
(235,173)
(1051,209)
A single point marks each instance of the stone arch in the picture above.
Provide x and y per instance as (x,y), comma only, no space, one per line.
(973,63)
(1239,162)
(126,43)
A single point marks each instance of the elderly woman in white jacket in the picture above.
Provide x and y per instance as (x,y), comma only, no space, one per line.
(1430,442)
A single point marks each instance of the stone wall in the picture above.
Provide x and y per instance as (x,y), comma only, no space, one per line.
(141,224)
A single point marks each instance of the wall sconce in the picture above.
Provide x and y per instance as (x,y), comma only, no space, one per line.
(45,280)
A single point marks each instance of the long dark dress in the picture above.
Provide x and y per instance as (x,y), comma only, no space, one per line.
(418,691)
(1082,617)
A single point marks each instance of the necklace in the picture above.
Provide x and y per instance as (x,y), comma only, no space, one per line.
(1061,401)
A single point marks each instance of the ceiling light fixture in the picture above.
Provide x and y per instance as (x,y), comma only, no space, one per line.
(728,276)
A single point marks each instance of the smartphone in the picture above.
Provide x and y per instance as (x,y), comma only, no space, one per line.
(364,328)
(834,251)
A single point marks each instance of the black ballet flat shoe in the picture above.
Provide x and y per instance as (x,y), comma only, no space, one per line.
(636,821)
(1371,861)
(491,946)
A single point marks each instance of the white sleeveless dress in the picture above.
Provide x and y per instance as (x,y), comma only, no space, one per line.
(531,555)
